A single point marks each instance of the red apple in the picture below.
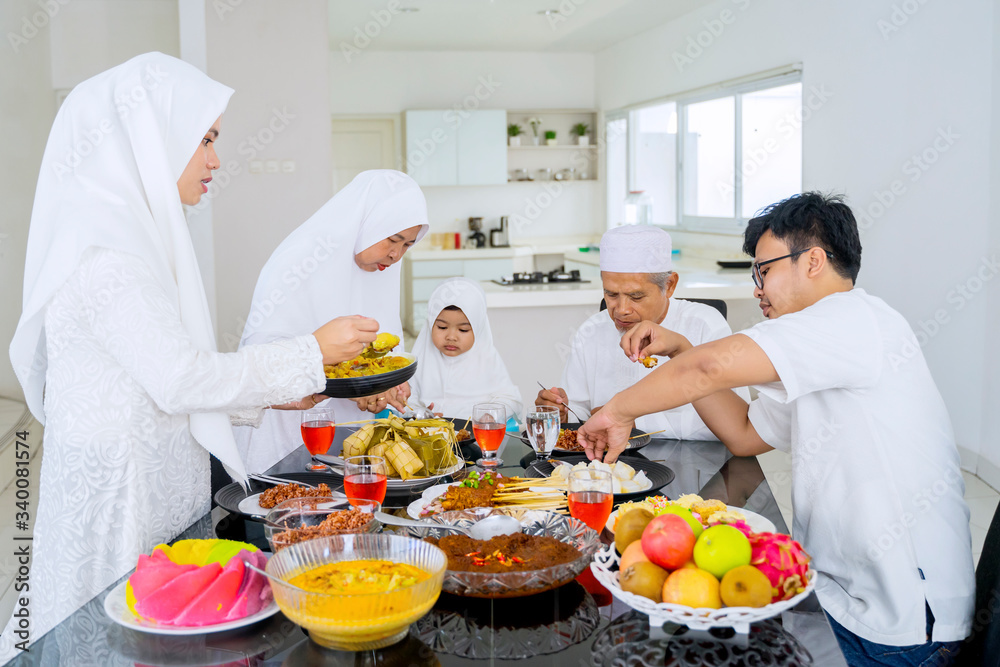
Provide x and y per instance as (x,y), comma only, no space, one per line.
(668,541)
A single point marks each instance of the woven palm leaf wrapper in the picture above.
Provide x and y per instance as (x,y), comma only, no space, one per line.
(418,448)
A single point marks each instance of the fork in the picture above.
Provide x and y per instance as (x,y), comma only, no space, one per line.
(544,388)
(278,480)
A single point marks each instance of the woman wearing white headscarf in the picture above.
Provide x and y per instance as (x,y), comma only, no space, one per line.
(454,383)
(115,349)
(343,260)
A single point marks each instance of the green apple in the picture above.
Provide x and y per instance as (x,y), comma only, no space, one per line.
(721,548)
(686,515)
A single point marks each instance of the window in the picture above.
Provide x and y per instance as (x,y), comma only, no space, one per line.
(709,162)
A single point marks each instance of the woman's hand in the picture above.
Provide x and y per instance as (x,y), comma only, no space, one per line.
(307,403)
(344,338)
(648,338)
(373,404)
(399,395)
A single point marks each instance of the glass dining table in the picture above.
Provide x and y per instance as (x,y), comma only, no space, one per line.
(576,625)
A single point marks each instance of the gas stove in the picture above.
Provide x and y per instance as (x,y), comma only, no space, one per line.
(538,278)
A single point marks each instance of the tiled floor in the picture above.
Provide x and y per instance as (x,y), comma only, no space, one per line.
(982,498)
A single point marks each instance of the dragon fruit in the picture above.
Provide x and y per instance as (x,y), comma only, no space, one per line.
(784,562)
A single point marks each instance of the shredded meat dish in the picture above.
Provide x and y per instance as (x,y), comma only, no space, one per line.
(567,441)
(339,522)
(283,492)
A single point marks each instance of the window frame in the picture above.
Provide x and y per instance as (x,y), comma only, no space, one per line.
(735,89)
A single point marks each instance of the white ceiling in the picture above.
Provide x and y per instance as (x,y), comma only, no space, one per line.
(498,25)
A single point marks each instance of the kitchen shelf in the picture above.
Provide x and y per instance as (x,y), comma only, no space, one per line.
(549,148)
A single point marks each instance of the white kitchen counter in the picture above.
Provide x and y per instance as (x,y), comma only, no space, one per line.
(543,295)
(699,279)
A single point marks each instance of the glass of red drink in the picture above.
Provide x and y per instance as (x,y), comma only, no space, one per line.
(590,497)
(318,425)
(489,424)
(364,479)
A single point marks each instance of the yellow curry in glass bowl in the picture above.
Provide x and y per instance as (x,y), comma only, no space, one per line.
(357,592)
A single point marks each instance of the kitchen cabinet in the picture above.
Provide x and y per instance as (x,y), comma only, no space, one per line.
(446,147)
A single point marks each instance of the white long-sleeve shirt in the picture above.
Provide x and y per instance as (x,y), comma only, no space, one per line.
(121,471)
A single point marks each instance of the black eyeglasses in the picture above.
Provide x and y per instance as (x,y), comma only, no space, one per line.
(758,278)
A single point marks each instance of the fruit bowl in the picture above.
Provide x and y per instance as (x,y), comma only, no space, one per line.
(737,618)
(363,621)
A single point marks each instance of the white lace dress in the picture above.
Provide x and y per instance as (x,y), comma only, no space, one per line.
(120,471)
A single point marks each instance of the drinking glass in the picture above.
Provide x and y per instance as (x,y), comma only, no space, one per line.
(317,433)
(543,429)
(489,424)
(364,478)
(590,497)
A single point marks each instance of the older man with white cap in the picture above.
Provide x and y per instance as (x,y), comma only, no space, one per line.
(639,282)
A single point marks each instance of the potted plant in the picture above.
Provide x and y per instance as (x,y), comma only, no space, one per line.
(535,123)
(514,133)
(580,130)
(550,138)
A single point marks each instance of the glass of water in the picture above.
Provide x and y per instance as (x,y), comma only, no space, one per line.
(543,429)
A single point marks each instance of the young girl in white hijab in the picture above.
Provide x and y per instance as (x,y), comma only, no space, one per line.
(343,260)
(115,329)
(457,364)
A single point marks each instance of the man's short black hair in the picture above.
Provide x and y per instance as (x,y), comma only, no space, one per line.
(807,220)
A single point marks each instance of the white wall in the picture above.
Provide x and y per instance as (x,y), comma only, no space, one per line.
(880,96)
(90,36)
(390,82)
(27,107)
(989,462)
(277,63)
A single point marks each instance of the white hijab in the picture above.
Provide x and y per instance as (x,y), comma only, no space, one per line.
(109,179)
(455,384)
(315,279)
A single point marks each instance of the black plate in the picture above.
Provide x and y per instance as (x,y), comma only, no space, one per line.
(735,263)
(369,385)
(230,496)
(470,450)
(633,445)
(660,475)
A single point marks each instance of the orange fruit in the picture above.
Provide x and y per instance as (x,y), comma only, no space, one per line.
(633,554)
(692,587)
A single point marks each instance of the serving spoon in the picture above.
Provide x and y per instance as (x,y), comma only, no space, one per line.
(491,526)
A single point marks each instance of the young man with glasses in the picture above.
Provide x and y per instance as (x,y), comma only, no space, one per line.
(876,486)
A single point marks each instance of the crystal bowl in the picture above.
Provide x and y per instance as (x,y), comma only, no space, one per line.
(356,622)
(283,523)
(516,584)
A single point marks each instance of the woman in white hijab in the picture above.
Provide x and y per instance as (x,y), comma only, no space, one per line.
(115,329)
(451,374)
(343,260)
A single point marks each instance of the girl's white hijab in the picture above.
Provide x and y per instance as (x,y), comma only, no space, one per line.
(455,384)
(109,179)
(312,278)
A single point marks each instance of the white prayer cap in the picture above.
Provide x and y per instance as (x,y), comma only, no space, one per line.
(636,249)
